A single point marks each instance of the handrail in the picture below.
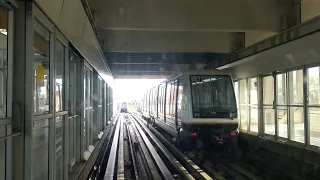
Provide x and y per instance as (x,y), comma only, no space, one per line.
(293,33)
(10,136)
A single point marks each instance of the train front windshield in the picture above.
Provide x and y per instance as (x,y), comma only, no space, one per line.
(213,96)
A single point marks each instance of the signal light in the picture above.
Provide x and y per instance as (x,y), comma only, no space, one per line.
(194,134)
(233,133)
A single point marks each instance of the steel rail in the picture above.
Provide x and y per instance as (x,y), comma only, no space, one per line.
(160,164)
(193,169)
(110,170)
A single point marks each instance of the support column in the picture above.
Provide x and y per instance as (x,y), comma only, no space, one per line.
(294,13)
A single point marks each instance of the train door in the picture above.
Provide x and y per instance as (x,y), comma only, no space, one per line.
(178,116)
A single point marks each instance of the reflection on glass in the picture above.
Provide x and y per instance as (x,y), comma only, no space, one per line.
(2,153)
(268,90)
(41,69)
(59,148)
(269,122)
(244,117)
(297,124)
(296,87)
(236,91)
(282,122)
(59,74)
(314,86)
(254,119)
(314,116)
(3,61)
(40,145)
(281,89)
(212,96)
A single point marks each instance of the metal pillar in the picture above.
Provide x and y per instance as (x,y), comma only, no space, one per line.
(22,96)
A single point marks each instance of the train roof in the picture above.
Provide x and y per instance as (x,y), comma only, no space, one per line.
(196,72)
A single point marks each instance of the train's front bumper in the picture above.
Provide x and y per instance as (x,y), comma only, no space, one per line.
(192,140)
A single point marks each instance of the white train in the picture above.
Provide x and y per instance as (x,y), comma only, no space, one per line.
(199,106)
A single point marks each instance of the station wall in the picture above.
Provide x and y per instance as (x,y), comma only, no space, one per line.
(55,92)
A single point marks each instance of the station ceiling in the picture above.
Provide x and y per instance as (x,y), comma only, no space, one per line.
(160,38)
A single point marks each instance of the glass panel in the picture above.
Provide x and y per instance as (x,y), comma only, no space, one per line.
(72,105)
(72,85)
(3,61)
(244,117)
(40,145)
(268,90)
(281,89)
(3,153)
(253,87)
(314,116)
(59,148)
(236,91)
(282,122)
(254,118)
(243,92)
(269,121)
(59,75)
(314,86)
(72,138)
(296,87)
(297,124)
(41,69)
(212,96)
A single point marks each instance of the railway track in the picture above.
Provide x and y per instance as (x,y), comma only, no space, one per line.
(136,150)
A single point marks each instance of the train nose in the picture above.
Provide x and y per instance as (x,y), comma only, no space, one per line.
(199,144)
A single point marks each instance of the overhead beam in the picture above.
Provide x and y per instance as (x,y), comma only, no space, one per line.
(188,15)
(162,58)
(150,67)
(145,77)
(171,41)
(150,74)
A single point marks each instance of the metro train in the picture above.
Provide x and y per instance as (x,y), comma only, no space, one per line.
(200,106)
(124,107)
